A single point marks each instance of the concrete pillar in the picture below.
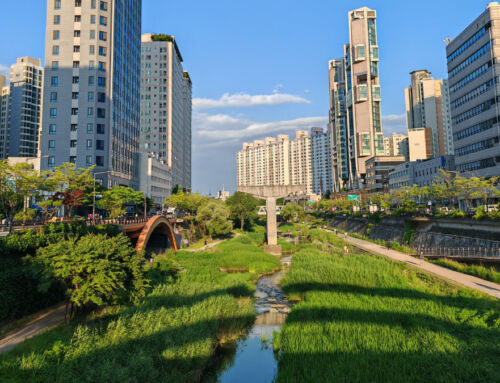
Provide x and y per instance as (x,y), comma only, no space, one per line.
(272,230)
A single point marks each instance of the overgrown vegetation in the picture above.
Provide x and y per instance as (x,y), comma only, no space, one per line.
(170,336)
(364,318)
(488,273)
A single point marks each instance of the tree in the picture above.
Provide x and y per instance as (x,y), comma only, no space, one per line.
(242,206)
(292,212)
(213,219)
(70,184)
(186,202)
(49,208)
(114,200)
(18,183)
(95,269)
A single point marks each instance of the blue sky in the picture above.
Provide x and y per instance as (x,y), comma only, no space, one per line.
(236,50)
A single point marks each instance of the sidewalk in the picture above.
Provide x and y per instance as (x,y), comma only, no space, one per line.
(43,322)
(211,244)
(466,280)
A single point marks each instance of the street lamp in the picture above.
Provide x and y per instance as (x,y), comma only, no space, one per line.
(93,205)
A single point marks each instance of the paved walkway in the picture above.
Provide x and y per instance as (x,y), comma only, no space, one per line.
(466,280)
(43,322)
(211,244)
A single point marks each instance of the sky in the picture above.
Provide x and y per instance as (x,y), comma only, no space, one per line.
(260,68)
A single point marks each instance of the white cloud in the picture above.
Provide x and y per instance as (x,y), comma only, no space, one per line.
(5,70)
(394,123)
(278,88)
(246,100)
(223,129)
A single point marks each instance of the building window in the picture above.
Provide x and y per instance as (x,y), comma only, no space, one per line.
(92,19)
(89,144)
(91,81)
(52,129)
(91,49)
(101,97)
(91,97)
(76,64)
(92,35)
(76,33)
(99,160)
(54,81)
(53,113)
(72,159)
(102,66)
(90,112)
(72,144)
(52,145)
(100,129)
(76,49)
(75,95)
(78,3)
(57,4)
(101,81)
(102,51)
(55,50)
(91,65)
(53,97)
(90,128)
(99,144)
(78,19)
(57,20)
(103,21)
(101,113)
(74,127)
(92,4)
(88,161)
(104,6)
(103,36)
(74,111)
(55,35)
(76,80)
(55,65)
(51,161)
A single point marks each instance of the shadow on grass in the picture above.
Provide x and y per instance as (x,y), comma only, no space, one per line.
(325,344)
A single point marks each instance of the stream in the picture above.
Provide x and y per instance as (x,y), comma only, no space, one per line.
(251,358)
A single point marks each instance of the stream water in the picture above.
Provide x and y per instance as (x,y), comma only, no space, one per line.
(251,358)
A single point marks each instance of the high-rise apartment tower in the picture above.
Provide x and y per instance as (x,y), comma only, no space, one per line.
(355,98)
(166,106)
(92,87)
(428,106)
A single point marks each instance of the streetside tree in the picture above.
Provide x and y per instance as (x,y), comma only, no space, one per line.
(18,183)
(292,212)
(242,206)
(213,219)
(71,185)
(95,270)
(114,200)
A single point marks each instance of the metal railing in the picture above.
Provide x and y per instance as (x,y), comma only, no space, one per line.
(460,252)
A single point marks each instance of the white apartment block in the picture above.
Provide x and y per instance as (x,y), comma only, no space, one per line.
(166,106)
(92,87)
(277,161)
(396,145)
(155,178)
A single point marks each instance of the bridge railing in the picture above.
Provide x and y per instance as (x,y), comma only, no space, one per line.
(461,252)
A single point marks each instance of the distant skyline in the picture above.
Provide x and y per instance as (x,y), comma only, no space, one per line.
(261,68)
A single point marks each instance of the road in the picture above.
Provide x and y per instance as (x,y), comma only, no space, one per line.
(466,280)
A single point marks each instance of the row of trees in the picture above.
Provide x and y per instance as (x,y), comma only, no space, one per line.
(451,191)
(64,186)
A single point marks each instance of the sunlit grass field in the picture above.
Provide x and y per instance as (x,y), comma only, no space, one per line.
(364,318)
(170,337)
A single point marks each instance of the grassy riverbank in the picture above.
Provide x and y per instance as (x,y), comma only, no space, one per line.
(170,336)
(364,318)
(490,274)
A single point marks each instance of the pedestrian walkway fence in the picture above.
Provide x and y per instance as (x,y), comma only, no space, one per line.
(460,252)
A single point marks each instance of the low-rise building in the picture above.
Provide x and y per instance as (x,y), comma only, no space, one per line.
(402,176)
(425,172)
(377,172)
(155,178)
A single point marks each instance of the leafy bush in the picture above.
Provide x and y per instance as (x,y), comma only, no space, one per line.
(456,213)
(480,213)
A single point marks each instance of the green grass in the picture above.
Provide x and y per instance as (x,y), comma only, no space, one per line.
(171,336)
(490,274)
(363,318)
